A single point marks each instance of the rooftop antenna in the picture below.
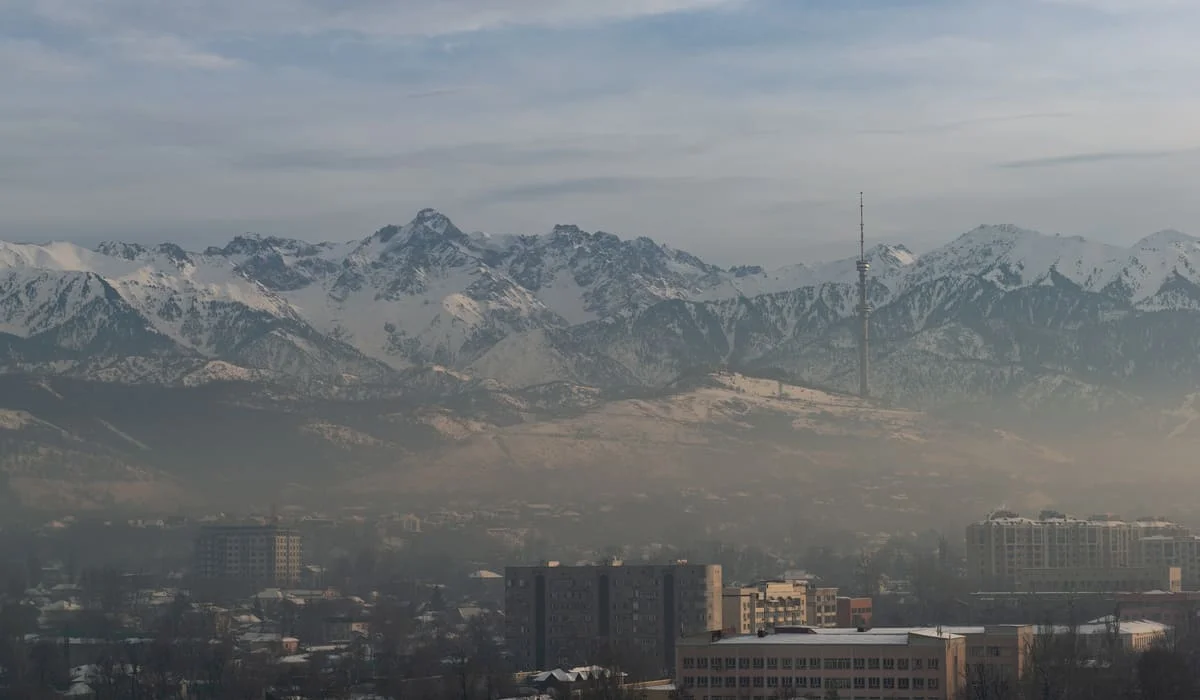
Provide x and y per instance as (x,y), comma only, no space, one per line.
(864,307)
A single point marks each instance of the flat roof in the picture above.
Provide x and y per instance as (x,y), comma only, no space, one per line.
(883,636)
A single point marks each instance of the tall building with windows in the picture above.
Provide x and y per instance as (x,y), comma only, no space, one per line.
(631,615)
(265,555)
(1004,548)
(764,605)
(822,606)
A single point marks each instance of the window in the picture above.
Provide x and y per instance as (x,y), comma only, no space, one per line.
(702,662)
(758,664)
(933,684)
(814,663)
(902,684)
(714,681)
(873,664)
(873,683)
(993,651)
(730,663)
(814,681)
(773,664)
(934,664)
(786,664)
(772,681)
(801,682)
(837,664)
(889,664)
(860,683)
(758,681)
(837,683)
(901,664)
(889,683)
(744,682)
(801,664)
(744,664)
(702,681)
(731,682)
(787,681)
(688,681)
(918,684)
(918,664)
(860,664)
(689,662)
(975,651)
(715,663)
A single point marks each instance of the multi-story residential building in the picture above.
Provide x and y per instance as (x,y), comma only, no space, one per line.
(764,605)
(1002,547)
(739,609)
(821,606)
(572,615)
(854,612)
(1126,579)
(256,554)
(902,663)
(1181,550)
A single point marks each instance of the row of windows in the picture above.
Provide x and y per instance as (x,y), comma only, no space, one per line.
(812,682)
(716,663)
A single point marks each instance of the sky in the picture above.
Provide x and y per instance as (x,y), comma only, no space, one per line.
(741,130)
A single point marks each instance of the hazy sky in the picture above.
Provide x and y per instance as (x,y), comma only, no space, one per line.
(739,129)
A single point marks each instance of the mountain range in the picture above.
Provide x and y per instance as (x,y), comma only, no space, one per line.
(998,313)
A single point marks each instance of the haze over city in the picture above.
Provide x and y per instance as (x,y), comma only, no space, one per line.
(599,350)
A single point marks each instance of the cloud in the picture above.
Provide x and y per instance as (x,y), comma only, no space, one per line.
(720,126)
(1085,158)
(167,50)
(369,17)
(30,57)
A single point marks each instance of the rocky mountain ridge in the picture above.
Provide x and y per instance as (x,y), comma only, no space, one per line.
(998,313)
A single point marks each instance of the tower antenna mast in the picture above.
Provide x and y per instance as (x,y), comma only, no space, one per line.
(864,307)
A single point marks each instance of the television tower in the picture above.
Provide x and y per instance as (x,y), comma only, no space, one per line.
(864,307)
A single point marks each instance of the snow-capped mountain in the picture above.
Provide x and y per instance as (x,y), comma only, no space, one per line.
(999,310)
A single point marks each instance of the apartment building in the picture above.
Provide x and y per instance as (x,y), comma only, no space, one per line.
(764,605)
(1180,550)
(564,616)
(255,554)
(901,664)
(854,612)
(821,606)
(739,610)
(1005,548)
(1132,579)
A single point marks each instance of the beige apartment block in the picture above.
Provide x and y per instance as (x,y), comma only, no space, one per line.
(1182,551)
(821,607)
(764,605)
(902,664)
(261,554)
(564,616)
(1130,579)
(1004,548)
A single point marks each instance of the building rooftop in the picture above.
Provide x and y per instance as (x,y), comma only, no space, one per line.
(883,636)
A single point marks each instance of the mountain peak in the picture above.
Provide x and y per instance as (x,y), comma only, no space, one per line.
(433,219)
(1167,238)
(117,249)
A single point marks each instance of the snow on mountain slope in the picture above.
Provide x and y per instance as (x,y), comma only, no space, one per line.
(1011,258)
(574,305)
